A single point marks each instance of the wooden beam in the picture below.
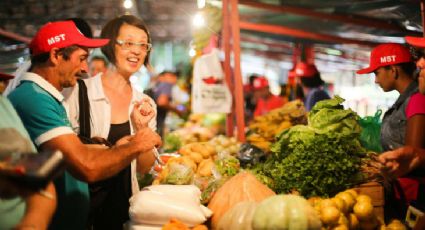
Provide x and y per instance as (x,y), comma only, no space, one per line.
(230,126)
(15,36)
(423,17)
(237,76)
(361,21)
(282,30)
(267,43)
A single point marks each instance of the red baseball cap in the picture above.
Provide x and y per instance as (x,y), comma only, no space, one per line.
(303,69)
(4,76)
(416,41)
(260,82)
(61,34)
(387,54)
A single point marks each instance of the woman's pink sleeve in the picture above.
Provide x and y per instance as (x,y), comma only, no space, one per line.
(416,105)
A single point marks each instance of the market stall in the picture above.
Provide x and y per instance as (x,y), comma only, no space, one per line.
(293,170)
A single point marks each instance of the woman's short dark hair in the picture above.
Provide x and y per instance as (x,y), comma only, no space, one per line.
(112,29)
(313,81)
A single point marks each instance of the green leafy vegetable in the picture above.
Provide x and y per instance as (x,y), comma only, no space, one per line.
(227,166)
(319,159)
(172,143)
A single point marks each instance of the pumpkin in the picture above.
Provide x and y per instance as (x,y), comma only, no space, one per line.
(239,217)
(242,187)
(289,212)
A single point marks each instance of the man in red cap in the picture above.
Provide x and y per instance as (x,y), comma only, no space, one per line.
(4,80)
(311,83)
(404,122)
(266,101)
(59,54)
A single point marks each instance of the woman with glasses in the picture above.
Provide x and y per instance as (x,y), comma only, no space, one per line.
(112,100)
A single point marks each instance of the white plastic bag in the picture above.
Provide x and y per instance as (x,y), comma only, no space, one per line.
(210,92)
(157,204)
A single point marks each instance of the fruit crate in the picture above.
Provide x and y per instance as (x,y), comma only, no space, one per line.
(376,192)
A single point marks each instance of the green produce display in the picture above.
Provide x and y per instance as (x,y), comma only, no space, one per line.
(172,143)
(318,159)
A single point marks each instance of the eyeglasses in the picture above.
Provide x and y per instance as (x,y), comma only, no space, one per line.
(128,45)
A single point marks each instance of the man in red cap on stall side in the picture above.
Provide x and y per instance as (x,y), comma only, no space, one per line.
(311,83)
(59,54)
(4,81)
(266,101)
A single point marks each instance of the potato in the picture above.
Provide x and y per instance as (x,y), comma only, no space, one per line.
(209,149)
(196,157)
(205,168)
(189,162)
(185,150)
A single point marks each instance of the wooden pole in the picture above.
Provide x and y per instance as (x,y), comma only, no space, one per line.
(239,99)
(226,36)
(423,17)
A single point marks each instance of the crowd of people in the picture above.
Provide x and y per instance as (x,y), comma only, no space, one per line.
(48,108)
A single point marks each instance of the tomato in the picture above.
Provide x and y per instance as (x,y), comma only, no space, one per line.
(158,168)
(165,159)
(20,169)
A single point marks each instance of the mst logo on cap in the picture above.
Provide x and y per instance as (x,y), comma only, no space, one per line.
(59,35)
(387,54)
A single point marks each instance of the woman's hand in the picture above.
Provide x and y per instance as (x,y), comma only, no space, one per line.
(401,161)
(142,114)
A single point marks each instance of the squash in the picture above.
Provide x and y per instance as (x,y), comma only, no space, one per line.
(239,217)
(242,187)
(289,212)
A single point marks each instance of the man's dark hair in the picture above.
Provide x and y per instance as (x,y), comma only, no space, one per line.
(83,26)
(408,67)
(44,57)
(313,81)
(168,72)
(252,77)
(111,31)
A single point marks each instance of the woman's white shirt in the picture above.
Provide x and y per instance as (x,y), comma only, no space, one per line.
(100,113)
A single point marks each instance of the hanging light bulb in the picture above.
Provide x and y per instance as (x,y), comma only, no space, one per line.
(198,20)
(128,4)
(192,52)
(201,4)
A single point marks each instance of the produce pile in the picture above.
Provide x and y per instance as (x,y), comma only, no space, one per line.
(263,129)
(318,159)
(350,210)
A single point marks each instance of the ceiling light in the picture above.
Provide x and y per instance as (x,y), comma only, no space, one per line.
(128,4)
(201,4)
(192,52)
(198,20)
